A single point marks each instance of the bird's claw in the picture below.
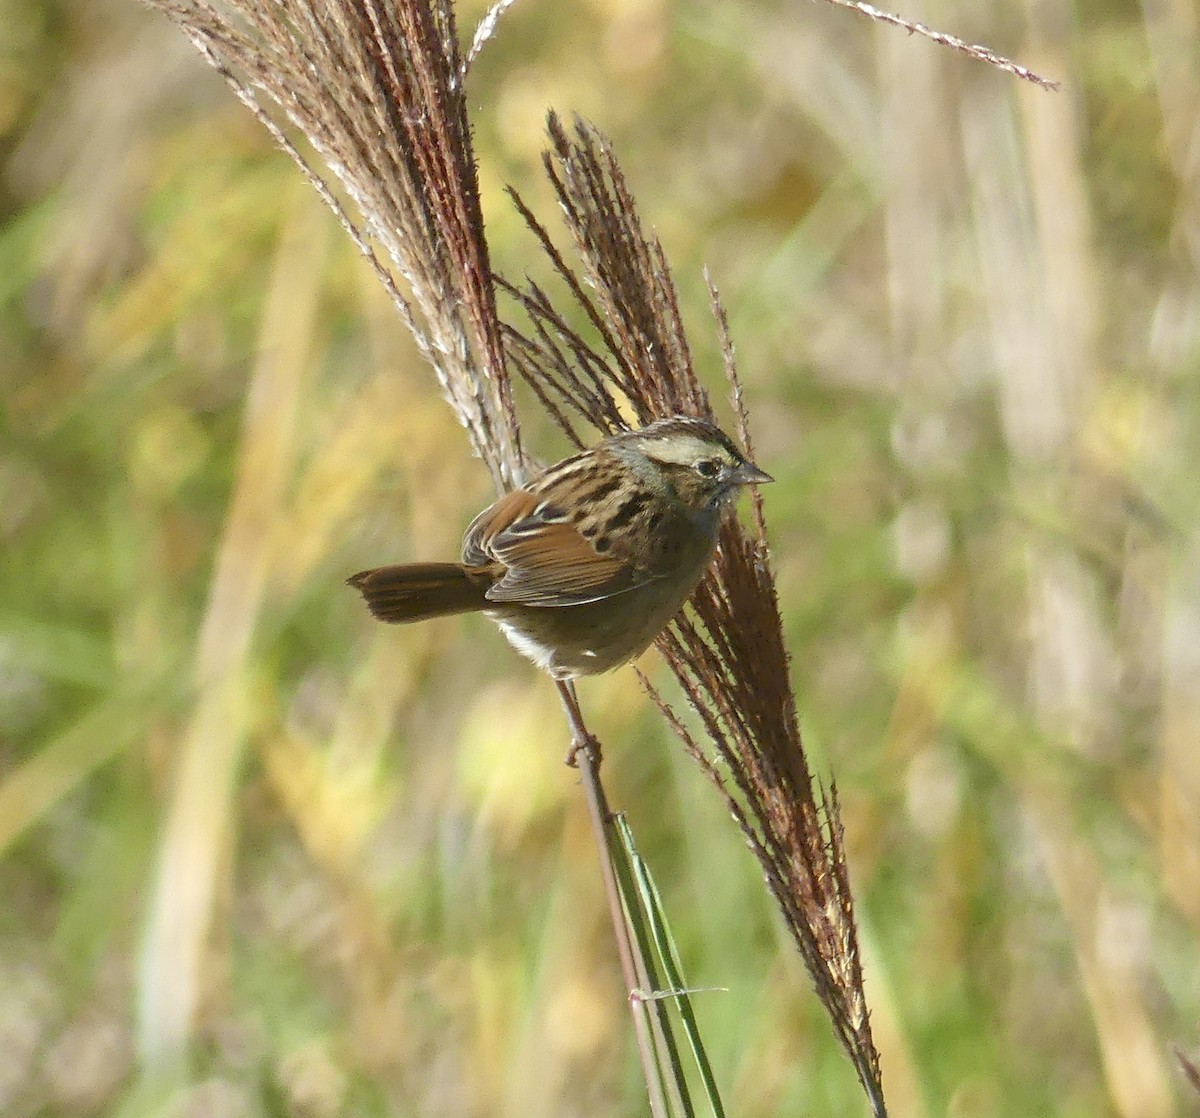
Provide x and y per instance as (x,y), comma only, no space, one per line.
(587,744)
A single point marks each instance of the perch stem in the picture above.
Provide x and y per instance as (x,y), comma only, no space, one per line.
(585,756)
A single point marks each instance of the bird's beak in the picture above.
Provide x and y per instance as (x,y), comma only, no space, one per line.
(749,474)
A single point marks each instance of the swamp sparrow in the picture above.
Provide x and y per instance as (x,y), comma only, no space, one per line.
(586,564)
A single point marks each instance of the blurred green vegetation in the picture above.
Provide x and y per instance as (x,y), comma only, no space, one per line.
(968,316)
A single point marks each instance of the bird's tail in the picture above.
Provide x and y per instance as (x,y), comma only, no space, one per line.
(418,591)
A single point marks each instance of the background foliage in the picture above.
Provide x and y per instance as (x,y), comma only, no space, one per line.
(968,319)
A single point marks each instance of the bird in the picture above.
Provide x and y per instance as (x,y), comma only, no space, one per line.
(583,566)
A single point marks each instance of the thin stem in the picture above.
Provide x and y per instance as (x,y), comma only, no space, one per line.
(585,755)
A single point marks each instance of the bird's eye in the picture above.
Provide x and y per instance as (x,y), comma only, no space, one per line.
(707,468)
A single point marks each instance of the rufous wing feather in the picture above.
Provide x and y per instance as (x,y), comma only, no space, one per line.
(545,559)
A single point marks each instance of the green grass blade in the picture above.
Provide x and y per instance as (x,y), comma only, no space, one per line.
(656,941)
(34,787)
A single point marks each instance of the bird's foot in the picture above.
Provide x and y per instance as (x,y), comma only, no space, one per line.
(589,746)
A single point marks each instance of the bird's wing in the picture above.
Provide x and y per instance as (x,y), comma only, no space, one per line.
(547,561)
